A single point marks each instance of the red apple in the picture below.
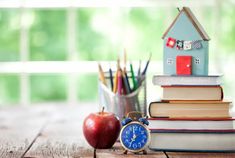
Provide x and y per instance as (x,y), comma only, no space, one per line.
(101,129)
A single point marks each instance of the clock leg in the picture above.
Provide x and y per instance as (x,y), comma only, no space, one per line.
(144,152)
(125,152)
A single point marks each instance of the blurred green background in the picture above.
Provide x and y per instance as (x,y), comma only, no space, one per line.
(102,33)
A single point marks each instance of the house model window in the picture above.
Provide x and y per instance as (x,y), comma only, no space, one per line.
(170,61)
(197,61)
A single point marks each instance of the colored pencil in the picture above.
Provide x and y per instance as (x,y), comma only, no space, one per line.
(126,83)
(147,64)
(139,74)
(135,86)
(119,82)
(101,75)
(118,63)
(125,58)
(115,82)
(111,77)
(139,69)
(115,85)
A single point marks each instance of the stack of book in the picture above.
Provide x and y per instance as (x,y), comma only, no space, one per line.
(192,115)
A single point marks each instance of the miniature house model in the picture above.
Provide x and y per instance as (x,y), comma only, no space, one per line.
(185,46)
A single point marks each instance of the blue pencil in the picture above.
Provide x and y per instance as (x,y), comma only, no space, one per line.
(147,64)
(126,83)
(139,74)
(111,77)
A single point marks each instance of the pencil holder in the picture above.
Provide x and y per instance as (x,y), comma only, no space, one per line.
(123,104)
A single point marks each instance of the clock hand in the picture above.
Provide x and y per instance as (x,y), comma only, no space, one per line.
(139,135)
(134,136)
(132,140)
(133,129)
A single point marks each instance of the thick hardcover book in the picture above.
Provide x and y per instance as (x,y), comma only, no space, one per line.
(192,93)
(166,80)
(187,109)
(192,124)
(191,140)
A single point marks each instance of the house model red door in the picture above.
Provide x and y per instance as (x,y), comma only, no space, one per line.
(184,65)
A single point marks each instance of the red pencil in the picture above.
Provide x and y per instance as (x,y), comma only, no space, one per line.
(119,81)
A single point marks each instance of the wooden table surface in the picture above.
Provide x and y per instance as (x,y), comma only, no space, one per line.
(51,131)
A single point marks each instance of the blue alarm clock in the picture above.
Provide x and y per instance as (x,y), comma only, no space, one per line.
(135,135)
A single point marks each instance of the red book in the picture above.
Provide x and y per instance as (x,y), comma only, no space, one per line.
(195,93)
(190,109)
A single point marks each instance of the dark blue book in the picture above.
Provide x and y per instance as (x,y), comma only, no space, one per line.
(193,140)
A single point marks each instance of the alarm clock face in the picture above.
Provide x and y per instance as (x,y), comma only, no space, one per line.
(134,137)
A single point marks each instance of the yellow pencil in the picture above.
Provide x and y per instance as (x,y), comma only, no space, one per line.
(118,63)
(101,75)
(115,82)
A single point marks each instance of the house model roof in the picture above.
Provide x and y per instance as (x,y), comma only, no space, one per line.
(193,20)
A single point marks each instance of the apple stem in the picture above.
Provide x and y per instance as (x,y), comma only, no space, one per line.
(102,110)
(94,156)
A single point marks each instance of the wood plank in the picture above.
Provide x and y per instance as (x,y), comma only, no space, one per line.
(19,126)
(201,155)
(63,137)
(117,151)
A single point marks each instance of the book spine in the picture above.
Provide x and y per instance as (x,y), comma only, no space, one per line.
(150,114)
(222,93)
(191,131)
(149,110)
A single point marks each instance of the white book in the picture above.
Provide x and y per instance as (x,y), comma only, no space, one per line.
(192,124)
(193,141)
(168,80)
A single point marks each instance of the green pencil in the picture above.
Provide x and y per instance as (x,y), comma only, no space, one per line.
(135,84)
